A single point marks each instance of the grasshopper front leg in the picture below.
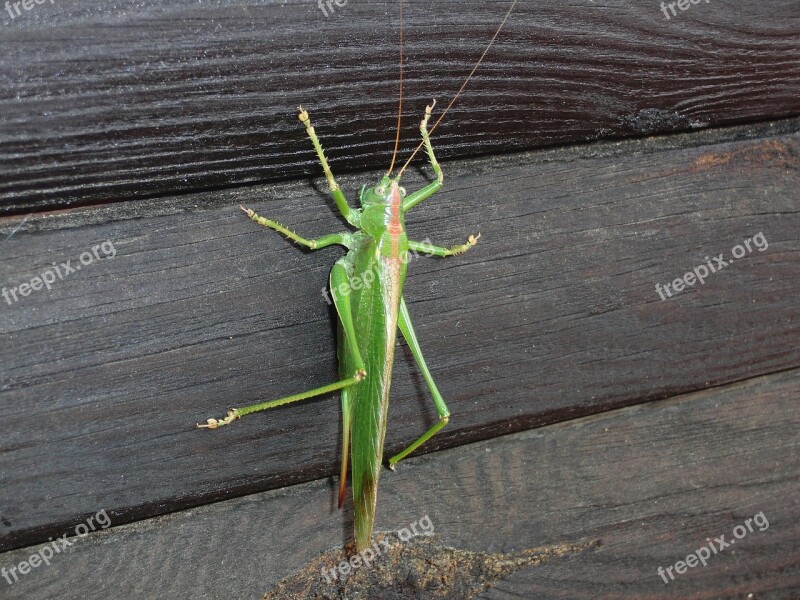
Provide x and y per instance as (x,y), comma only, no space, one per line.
(352,216)
(429,190)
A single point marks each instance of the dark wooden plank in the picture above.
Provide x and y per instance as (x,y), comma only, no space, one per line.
(104,102)
(553,315)
(640,487)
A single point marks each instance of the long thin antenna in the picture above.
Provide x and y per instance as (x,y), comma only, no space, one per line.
(400,102)
(463,85)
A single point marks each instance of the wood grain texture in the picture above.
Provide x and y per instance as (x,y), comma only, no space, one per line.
(649,483)
(552,316)
(102,102)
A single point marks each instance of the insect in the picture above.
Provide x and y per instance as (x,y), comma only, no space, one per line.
(370,315)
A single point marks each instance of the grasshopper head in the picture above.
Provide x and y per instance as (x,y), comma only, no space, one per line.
(380,194)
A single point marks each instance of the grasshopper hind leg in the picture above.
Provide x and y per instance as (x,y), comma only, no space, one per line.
(344,311)
(345,444)
(407,329)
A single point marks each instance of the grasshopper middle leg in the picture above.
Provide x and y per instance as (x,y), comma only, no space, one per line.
(342,239)
(441,251)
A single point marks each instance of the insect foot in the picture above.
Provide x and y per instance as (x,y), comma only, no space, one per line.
(423,125)
(303,116)
(249,212)
(232,415)
(471,241)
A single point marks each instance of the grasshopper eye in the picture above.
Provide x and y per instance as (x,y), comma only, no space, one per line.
(380,190)
(403,192)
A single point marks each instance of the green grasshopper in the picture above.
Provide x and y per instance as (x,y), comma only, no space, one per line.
(369,315)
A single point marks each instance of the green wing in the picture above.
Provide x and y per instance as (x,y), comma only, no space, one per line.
(375,309)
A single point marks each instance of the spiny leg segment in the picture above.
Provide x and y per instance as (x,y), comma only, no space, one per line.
(426,192)
(341,202)
(441,251)
(326,240)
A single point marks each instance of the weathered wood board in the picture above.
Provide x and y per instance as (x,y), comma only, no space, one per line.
(647,485)
(102,102)
(552,316)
